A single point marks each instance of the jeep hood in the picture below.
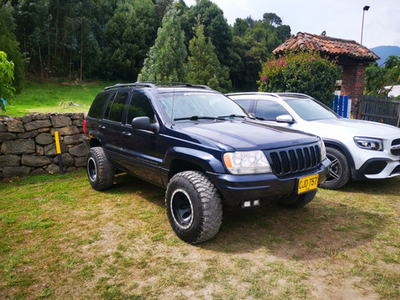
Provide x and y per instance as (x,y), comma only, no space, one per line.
(245,135)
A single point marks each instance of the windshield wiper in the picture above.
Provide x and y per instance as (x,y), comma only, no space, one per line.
(232,116)
(194,118)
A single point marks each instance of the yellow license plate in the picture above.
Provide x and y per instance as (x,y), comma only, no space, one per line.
(307,184)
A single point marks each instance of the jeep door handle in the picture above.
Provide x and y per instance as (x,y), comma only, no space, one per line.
(102,127)
(126,133)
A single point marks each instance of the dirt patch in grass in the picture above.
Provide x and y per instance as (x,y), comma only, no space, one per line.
(63,240)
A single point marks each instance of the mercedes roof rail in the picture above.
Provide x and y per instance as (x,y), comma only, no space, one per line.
(273,94)
(276,95)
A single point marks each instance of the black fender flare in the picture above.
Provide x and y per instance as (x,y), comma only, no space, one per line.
(207,161)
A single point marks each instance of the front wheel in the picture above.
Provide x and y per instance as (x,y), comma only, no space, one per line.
(193,207)
(339,173)
(297,201)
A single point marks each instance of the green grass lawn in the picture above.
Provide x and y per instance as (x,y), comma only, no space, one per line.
(54,97)
(60,239)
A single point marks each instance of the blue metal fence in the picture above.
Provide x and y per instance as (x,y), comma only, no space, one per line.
(341,105)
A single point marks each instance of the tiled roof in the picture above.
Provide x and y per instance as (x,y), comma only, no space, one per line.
(328,46)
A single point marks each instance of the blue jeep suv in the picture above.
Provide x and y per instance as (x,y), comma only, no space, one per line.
(203,148)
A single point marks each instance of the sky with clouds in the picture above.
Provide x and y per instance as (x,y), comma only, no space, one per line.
(339,18)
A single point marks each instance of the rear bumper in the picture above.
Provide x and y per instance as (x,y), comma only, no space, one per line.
(238,188)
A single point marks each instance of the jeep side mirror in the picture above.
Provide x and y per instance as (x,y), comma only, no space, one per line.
(145,124)
(285,119)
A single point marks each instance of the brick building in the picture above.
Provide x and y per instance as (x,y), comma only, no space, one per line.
(352,56)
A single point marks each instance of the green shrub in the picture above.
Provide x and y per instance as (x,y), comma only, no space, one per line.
(301,72)
(6,79)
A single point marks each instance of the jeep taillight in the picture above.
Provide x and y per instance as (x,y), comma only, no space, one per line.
(84,127)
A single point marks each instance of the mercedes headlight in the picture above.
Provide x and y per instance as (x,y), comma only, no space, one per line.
(369,143)
(247,162)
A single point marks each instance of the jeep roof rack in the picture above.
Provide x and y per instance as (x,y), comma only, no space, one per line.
(155,84)
(121,85)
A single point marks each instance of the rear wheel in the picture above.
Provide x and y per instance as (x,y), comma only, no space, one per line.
(99,169)
(339,173)
(297,201)
(193,207)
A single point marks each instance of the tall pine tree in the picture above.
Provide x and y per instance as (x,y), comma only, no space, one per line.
(129,34)
(166,59)
(203,65)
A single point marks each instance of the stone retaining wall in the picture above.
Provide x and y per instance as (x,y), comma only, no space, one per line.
(27,144)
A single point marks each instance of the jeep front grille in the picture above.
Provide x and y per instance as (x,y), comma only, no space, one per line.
(292,160)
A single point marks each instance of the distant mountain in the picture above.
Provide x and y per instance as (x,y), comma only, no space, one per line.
(384,52)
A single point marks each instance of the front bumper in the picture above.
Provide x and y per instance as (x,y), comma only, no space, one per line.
(378,168)
(237,188)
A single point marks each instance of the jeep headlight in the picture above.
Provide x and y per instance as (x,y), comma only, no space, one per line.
(322,149)
(247,162)
(369,143)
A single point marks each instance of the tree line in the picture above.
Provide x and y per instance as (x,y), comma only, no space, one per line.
(111,39)
(380,80)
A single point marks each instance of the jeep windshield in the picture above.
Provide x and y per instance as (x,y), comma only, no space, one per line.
(194,106)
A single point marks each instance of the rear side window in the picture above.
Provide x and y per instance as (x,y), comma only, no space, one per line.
(115,107)
(140,107)
(269,110)
(97,105)
(244,104)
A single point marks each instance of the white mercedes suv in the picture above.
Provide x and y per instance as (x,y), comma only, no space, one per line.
(357,149)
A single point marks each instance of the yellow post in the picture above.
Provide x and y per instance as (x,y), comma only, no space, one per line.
(58,149)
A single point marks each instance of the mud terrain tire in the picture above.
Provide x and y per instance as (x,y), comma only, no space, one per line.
(99,170)
(193,206)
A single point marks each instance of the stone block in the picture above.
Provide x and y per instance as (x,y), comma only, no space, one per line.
(40,116)
(69,130)
(78,122)
(66,158)
(28,134)
(60,121)
(7,136)
(80,162)
(73,139)
(39,171)
(39,150)
(10,160)
(27,118)
(44,138)
(50,150)
(3,127)
(79,150)
(53,169)
(37,124)
(18,147)
(15,125)
(9,172)
(35,160)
